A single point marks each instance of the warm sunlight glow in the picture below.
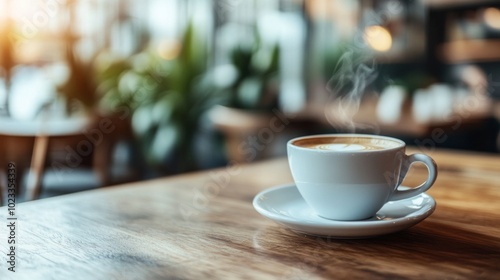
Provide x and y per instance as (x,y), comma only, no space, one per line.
(23,10)
(492,17)
(3,10)
(378,38)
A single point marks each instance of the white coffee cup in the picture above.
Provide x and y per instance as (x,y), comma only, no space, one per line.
(351,176)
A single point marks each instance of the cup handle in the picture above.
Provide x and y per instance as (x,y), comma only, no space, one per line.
(431,178)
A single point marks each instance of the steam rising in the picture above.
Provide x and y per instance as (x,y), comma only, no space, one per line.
(347,86)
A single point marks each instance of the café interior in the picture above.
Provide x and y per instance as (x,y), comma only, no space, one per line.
(98,93)
(135,134)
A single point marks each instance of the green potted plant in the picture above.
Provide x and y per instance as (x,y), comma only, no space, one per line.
(255,85)
(79,91)
(166,99)
(249,88)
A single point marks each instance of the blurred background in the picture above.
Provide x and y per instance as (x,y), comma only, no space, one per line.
(95,93)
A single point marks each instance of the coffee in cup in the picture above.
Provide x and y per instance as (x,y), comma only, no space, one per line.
(349,144)
(351,176)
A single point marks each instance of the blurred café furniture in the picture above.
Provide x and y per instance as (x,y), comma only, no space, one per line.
(461,32)
(61,146)
(407,124)
(237,125)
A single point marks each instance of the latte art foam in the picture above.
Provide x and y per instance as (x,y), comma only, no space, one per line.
(344,147)
(346,144)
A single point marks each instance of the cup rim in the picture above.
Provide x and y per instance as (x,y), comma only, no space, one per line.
(401,142)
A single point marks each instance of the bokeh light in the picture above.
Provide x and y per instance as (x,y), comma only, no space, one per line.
(378,38)
(492,17)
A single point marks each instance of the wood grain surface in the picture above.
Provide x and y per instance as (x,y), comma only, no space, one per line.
(203,226)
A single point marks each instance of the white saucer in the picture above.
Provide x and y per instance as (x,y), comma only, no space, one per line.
(285,205)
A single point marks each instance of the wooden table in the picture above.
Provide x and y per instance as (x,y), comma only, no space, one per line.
(203,225)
